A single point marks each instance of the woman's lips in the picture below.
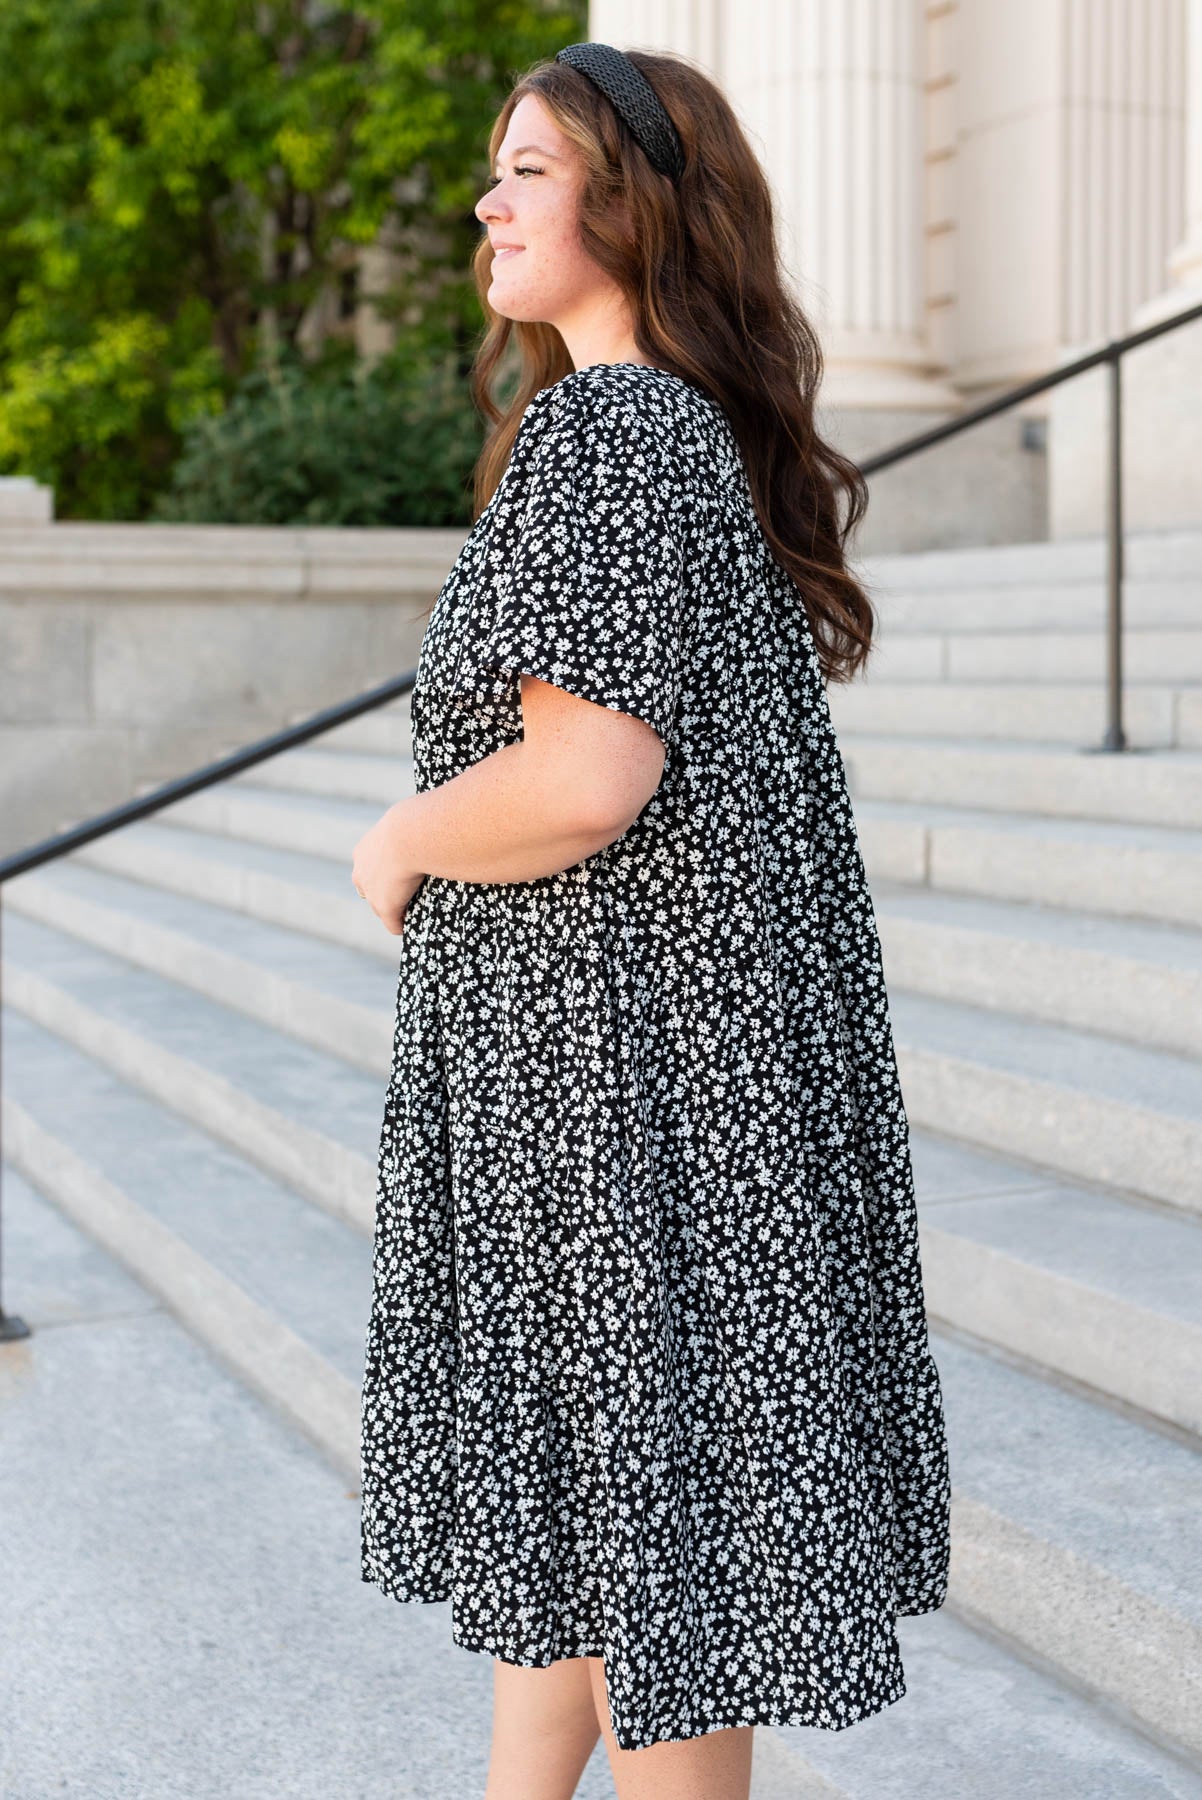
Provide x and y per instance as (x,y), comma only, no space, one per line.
(513,252)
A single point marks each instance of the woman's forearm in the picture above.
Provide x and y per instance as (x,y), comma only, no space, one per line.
(500,820)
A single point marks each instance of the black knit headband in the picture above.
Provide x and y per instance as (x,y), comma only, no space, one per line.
(633,99)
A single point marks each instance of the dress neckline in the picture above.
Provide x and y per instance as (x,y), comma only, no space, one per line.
(574,375)
(651,369)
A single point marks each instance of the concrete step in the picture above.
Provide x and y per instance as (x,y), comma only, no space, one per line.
(1137,981)
(280,818)
(273,1286)
(989,602)
(320,992)
(304,1269)
(1080,1105)
(1073,1534)
(386,731)
(302,1265)
(1035,656)
(1189,719)
(1031,1084)
(1042,568)
(303,892)
(1142,787)
(1134,980)
(1087,865)
(335,774)
(1019,710)
(303,1115)
(1096,1288)
(1045,1481)
(1082,865)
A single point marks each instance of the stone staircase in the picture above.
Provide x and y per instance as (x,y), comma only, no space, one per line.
(198,1022)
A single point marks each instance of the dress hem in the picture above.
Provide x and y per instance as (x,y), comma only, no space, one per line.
(685,1726)
(674,1730)
(680,1729)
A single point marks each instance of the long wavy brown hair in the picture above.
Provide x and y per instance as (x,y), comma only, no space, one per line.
(699,265)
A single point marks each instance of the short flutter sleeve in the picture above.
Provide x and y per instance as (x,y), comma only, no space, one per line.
(589,587)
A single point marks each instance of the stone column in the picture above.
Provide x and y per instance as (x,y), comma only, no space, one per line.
(831,93)
(1162,486)
(1185,264)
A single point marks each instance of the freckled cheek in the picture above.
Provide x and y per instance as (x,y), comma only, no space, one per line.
(541,264)
(560,260)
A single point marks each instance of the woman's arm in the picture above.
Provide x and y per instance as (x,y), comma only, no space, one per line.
(578,778)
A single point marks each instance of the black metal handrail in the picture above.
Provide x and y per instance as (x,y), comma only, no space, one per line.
(233,764)
(1110,353)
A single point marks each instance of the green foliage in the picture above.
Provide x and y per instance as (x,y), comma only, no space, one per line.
(390,445)
(181,179)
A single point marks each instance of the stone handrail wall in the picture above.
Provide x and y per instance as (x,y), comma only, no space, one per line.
(133,653)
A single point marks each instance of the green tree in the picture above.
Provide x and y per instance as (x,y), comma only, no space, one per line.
(180,179)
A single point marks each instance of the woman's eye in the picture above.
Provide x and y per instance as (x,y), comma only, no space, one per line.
(520,169)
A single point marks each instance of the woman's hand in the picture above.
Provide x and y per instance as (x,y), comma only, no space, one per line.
(380,873)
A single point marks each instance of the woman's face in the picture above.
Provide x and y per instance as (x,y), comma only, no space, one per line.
(533,206)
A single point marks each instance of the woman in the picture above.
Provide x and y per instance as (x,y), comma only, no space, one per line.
(648,1390)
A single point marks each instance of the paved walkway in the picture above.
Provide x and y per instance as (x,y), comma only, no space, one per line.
(184,1613)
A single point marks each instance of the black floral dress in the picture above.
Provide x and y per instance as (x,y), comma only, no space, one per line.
(647,1369)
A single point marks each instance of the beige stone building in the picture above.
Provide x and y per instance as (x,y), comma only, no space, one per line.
(971,192)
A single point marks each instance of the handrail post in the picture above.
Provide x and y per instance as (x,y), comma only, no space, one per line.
(1114,737)
(11,1327)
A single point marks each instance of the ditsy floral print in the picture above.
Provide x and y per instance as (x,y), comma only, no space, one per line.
(647,1370)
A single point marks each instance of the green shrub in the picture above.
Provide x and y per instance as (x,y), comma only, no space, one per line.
(389,444)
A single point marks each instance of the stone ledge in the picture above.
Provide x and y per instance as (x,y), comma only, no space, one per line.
(229,561)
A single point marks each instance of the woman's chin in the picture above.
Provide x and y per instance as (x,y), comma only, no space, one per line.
(510,307)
